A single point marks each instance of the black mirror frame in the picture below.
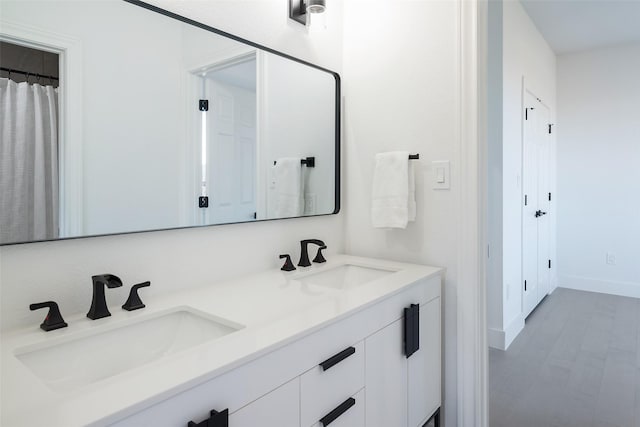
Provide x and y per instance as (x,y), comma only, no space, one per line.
(337,131)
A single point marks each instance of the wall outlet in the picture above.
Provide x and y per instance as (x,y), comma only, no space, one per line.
(611,258)
(310,202)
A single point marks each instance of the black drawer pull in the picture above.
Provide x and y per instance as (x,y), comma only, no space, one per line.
(333,415)
(334,360)
(411,329)
(216,419)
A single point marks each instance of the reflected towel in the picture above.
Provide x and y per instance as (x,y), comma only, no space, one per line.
(393,196)
(288,187)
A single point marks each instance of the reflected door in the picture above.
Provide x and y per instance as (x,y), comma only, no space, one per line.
(231,152)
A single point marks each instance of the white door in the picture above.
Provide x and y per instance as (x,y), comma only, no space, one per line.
(535,220)
(544,187)
(232,153)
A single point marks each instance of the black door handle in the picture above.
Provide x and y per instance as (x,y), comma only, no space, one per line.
(539,213)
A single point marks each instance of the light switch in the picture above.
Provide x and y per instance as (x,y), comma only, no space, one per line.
(441,174)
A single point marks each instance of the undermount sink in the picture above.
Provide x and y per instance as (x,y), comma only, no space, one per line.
(346,276)
(91,356)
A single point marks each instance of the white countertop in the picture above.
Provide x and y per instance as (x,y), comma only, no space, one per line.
(273,307)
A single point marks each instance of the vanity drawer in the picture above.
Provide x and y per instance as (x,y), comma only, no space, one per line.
(352,417)
(323,389)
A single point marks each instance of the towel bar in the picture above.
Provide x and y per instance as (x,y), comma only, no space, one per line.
(309,162)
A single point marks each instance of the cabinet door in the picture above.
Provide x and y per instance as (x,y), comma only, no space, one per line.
(386,378)
(280,408)
(424,367)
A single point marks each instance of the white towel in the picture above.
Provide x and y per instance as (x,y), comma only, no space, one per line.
(411,214)
(393,197)
(288,187)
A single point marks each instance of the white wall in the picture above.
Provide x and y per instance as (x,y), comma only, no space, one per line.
(401,81)
(181,258)
(526,56)
(598,170)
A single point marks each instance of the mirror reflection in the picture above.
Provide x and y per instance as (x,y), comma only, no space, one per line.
(160,124)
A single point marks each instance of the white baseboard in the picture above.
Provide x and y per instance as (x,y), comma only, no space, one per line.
(625,289)
(502,339)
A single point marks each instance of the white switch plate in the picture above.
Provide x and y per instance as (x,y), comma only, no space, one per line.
(441,170)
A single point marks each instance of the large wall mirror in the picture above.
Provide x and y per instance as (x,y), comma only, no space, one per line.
(118,117)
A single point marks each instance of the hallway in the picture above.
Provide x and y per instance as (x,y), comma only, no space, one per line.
(576,364)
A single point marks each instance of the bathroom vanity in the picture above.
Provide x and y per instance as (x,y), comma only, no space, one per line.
(351,342)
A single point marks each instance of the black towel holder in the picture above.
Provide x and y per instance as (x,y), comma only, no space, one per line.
(309,162)
(414,156)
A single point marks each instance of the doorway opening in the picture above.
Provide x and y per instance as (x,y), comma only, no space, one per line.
(29,143)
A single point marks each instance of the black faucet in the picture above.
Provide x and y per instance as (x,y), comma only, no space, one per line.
(304,252)
(99,308)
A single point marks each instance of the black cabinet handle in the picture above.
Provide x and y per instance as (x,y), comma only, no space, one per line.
(411,329)
(216,419)
(333,415)
(334,360)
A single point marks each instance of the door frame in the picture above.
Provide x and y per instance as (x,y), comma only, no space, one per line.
(190,213)
(70,118)
(527,88)
(471,305)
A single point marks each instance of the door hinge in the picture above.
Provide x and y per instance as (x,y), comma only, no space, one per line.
(525,200)
(549,263)
(526,114)
(550,124)
(525,285)
(549,196)
(203,105)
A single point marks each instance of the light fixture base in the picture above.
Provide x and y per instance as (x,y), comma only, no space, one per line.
(298,11)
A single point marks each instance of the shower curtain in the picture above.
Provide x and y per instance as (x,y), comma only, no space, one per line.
(28,162)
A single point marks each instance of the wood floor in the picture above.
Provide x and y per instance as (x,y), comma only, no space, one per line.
(576,363)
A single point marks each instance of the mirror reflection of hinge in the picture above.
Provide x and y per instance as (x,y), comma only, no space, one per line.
(203,105)
(549,196)
(525,200)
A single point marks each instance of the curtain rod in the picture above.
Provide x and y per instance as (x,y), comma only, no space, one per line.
(43,76)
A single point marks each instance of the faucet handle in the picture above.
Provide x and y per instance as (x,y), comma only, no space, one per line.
(54,319)
(288,264)
(134,302)
(319,258)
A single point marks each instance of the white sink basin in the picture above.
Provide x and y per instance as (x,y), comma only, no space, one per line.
(93,355)
(346,276)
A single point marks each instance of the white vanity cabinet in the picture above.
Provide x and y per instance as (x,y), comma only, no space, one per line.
(403,392)
(353,372)
(280,407)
